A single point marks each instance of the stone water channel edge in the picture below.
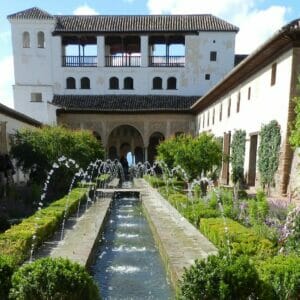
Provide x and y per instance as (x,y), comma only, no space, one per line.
(179,242)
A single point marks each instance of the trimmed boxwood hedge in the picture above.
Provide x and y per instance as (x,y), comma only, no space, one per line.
(7,269)
(281,277)
(243,240)
(16,242)
(49,278)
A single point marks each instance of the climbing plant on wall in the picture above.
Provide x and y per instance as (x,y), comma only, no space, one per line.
(268,153)
(295,132)
(238,156)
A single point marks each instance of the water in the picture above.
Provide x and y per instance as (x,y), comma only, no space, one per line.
(128,264)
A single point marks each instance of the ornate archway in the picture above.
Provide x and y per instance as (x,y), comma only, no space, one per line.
(125,139)
(154,141)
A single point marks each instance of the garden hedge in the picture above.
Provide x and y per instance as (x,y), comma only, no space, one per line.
(49,278)
(281,276)
(16,242)
(243,240)
(7,269)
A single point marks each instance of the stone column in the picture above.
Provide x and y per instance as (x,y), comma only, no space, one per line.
(144,51)
(145,154)
(100,51)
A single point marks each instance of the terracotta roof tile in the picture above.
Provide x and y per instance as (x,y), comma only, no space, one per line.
(125,103)
(31,13)
(142,23)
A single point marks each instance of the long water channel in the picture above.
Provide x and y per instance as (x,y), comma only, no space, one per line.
(128,264)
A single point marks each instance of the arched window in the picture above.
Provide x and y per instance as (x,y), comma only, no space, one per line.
(157,83)
(41,39)
(85,83)
(114,83)
(128,83)
(171,83)
(71,83)
(26,39)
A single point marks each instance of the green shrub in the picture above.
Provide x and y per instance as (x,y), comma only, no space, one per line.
(53,279)
(220,278)
(16,241)
(242,240)
(154,181)
(6,270)
(258,209)
(35,151)
(281,277)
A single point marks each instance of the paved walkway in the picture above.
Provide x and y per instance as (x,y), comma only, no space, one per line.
(180,243)
(79,239)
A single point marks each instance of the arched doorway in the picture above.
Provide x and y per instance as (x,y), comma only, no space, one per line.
(125,139)
(154,141)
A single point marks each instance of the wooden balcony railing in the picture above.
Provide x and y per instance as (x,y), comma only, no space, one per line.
(79,61)
(166,61)
(122,61)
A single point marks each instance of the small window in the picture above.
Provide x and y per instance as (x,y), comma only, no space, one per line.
(203,123)
(36,97)
(114,83)
(26,39)
(71,83)
(207,119)
(207,76)
(41,39)
(221,112)
(157,83)
(273,74)
(213,117)
(213,56)
(229,107)
(238,103)
(249,92)
(171,83)
(128,83)
(85,83)
(199,122)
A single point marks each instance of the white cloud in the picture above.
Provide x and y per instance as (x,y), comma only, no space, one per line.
(85,10)
(256,25)
(6,80)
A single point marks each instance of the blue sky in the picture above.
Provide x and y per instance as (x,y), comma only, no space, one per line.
(257,20)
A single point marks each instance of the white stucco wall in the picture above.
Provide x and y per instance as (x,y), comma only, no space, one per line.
(39,70)
(266,103)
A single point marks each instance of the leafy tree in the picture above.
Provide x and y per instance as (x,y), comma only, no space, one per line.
(195,155)
(37,149)
(268,152)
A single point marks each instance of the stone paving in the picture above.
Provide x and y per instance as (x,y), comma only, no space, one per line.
(180,243)
(79,242)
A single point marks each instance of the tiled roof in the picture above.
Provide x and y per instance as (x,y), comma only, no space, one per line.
(125,103)
(31,13)
(142,23)
(129,23)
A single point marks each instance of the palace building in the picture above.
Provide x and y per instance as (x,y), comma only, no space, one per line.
(136,80)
